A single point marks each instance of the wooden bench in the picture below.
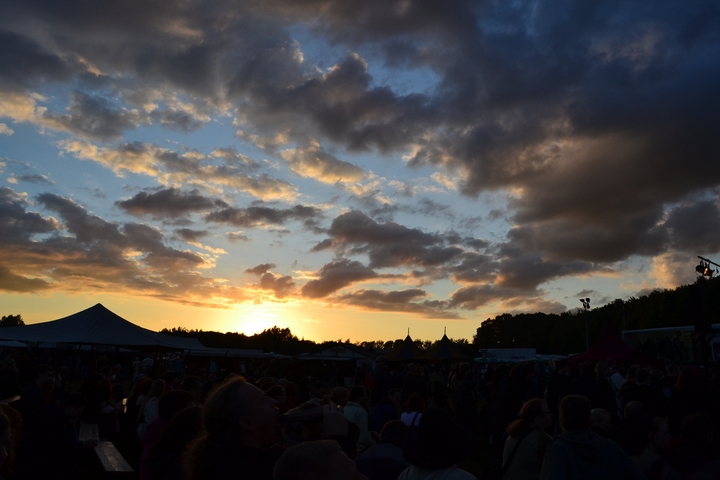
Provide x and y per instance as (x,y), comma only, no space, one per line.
(8,401)
(88,431)
(110,458)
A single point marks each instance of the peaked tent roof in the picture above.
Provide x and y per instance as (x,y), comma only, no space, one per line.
(445,350)
(98,326)
(406,351)
(610,346)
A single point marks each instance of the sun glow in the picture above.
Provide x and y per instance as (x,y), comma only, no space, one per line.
(252,319)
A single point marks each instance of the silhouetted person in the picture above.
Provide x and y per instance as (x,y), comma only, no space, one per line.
(527,441)
(165,460)
(382,381)
(386,409)
(36,395)
(355,412)
(688,397)
(385,461)
(600,422)
(318,460)
(169,405)
(579,453)
(439,445)
(49,447)
(241,429)
(694,456)
(649,395)
(650,450)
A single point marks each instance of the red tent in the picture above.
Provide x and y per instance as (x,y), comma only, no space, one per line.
(609,346)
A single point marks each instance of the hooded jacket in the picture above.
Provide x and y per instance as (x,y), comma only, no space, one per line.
(583,454)
(686,463)
(451,473)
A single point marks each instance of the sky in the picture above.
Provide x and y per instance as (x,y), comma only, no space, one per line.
(353,169)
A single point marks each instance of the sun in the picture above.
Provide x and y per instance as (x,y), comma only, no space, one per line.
(253,319)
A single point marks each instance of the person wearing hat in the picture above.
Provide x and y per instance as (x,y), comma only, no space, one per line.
(438,446)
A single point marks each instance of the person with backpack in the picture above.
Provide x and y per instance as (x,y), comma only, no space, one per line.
(527,441)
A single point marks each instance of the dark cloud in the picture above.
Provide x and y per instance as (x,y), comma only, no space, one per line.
(94,232)
(169,202)
(95,117)
(158,255)
(431,208)
(27,63)
(234,158)
(601,118)
(695,228)
(237,237)
(18,224)
(340,106)
(10,282)
(475,268)
(335,276)
(261,269)
(387,244)
(567,239)
(190,235)
(398,301)
(529,271)
(85,253)
(85,227)
(149,159)
(476,296)
(379,210)
(177,120)
(314,162)
(584,293)
(34,178)
(261,215)
(280,285)
(476,243)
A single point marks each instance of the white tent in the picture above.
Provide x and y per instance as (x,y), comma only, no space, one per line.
(97,326)
(227,353)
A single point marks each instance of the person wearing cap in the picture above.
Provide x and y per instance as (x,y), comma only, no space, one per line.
(439,445)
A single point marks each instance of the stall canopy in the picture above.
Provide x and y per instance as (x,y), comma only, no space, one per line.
(229,353)
(610,346)
(97,326)
(338,351)
(445,350)
(407,350)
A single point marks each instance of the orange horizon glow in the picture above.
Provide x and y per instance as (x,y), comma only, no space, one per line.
(305,319)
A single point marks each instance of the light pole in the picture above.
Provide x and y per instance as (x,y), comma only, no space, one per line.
(586,307)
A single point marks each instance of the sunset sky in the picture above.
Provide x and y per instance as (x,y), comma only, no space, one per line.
(352,169)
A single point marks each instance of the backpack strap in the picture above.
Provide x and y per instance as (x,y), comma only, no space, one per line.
(412,424)
(507,463)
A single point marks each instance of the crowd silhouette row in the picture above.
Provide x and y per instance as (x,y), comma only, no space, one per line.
(292,420)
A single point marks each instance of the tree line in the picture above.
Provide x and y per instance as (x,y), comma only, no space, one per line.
(697,304)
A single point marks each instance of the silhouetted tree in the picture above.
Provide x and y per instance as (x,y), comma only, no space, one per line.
(11,321)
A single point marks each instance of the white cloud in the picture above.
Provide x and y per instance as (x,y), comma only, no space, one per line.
(5,130)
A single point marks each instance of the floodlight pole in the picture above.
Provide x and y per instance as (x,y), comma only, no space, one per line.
(586,307)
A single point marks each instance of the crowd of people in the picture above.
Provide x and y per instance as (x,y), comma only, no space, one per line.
(393,421)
